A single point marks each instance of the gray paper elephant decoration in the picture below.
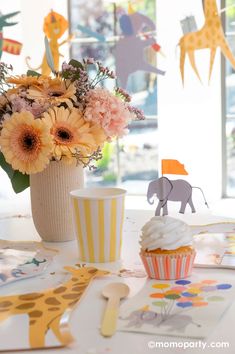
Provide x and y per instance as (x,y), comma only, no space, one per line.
(166,190)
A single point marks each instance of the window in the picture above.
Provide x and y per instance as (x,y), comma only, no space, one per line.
(230,101)
(134,159)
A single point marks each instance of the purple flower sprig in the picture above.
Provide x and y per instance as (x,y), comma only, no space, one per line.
(73,71)
(4,73)
(124,95)
(76,72)
(102,74)
(138,113)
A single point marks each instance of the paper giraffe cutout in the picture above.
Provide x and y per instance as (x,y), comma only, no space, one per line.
(54,27)
(129,51)
(8,45)
(173,167)
(210,36)
(174,190)
(49,309)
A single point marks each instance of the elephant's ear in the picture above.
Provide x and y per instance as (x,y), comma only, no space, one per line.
(126,25)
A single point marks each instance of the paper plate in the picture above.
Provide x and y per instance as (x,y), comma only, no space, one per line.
(21,260)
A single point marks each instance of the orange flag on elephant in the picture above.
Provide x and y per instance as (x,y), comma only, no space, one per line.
(173,167)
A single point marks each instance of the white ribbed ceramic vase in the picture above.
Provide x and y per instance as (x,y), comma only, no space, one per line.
(50,200)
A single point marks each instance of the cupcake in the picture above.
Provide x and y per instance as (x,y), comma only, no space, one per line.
(166,248)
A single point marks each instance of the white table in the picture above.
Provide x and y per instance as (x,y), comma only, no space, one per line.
(87,316)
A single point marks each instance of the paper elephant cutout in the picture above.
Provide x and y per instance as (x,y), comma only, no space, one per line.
(129,51)
(141,317)
(177,190)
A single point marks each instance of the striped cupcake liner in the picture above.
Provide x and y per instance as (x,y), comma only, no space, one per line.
(168,266)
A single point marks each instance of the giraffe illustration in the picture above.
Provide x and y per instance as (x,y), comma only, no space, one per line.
(50,309)
(210,36)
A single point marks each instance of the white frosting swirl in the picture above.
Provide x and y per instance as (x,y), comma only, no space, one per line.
(166,233)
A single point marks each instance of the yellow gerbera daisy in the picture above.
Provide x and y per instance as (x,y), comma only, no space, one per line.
(56,91)
(71,133)
(26,142)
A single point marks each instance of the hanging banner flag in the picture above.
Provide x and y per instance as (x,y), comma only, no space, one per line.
(8,45)
(173,167)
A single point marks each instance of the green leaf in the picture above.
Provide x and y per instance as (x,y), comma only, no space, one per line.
(65,75)
(76,63)
(33,73)
(5,166)
(19,181)
(49,56)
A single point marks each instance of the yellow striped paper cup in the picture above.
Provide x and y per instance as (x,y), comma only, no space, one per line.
(98,222)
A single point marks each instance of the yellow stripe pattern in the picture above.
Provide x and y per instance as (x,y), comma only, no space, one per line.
(78,228)
(113,230)
(98,226)
(88,221)
(101,230)
(121,227)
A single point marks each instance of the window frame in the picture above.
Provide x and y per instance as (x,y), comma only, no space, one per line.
(90,40)
(223,112)
(224,115)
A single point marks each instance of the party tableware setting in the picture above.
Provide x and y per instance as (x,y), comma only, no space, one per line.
(120,277)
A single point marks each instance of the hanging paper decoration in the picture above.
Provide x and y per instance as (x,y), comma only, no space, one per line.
(188,24)
(129,51)
(210,36)
(8,45)
(90,33)
(49,309)
(54,27)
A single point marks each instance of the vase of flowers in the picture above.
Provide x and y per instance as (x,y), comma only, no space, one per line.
(51,127)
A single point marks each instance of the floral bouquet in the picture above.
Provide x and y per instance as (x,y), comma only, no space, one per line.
(66,118)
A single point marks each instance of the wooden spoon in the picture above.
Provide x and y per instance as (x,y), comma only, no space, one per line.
(114,292)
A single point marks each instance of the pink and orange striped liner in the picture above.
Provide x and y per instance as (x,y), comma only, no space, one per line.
(168,266)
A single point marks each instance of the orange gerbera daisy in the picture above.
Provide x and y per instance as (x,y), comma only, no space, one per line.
(23,80)
(26,142)
(72,134)
(55,91)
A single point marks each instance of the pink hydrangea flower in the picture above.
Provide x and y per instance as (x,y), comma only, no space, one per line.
(107,110)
